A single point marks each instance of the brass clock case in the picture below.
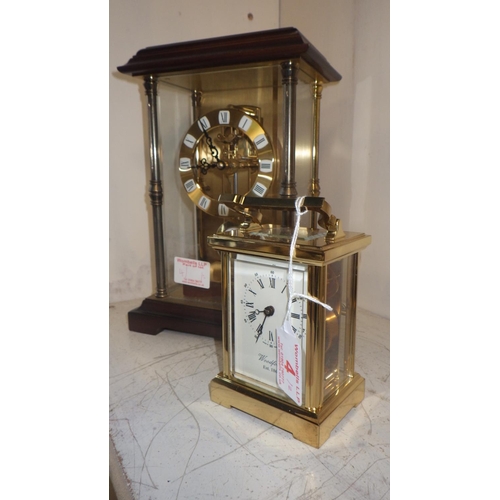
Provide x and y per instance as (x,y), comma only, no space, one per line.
(325,268)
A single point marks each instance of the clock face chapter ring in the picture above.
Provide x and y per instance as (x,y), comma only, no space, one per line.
(225,151)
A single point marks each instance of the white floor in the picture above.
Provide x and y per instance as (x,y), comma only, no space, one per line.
(169,441)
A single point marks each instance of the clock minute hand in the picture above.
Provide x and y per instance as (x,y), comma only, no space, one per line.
(204,166)
(213,151)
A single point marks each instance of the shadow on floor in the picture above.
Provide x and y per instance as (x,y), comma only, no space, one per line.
(112,494)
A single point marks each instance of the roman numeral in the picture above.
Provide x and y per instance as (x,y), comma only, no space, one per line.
(203,123)
(261,141)
(204,202)
(259,189)
(266,166)
(244,123)
(224,117)
(189,141)
(223,210)
(185,164)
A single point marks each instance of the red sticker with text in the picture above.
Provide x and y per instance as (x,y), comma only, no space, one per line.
(289,363)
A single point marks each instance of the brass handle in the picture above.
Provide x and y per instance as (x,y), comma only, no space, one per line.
(250,206)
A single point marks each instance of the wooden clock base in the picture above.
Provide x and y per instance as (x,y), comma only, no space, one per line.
(187,313)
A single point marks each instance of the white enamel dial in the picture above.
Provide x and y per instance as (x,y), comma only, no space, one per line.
(260,298)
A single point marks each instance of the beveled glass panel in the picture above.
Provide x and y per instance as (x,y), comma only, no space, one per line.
(339,334)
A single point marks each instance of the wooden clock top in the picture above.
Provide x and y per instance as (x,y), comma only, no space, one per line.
(257,49)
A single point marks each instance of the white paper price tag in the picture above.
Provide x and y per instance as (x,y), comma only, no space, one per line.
(289,363)
(192,272)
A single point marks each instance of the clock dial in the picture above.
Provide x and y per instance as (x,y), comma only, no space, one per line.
(260,304)
(226,151)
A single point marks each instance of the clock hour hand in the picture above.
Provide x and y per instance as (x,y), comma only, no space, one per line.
(268,311)
(215,154)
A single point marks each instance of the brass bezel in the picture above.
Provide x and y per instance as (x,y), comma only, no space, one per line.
(254,132)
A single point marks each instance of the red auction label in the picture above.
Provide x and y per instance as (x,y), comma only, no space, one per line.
(289,358)
(192,272)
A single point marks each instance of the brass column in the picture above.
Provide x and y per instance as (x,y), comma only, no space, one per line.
(198,214)
(288,183)
(155,188)
(314,186)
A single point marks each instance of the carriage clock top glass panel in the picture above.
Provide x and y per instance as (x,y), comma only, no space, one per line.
(219,114)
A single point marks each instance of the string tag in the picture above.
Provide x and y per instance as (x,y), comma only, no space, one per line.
(289,355)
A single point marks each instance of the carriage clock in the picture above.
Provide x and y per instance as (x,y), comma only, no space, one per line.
(299,377)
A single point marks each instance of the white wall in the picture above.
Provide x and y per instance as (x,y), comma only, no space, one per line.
(354,148)
(133,26)
(354,140)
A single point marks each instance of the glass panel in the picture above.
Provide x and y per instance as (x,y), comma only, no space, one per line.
(245,164)
(338,338)
(304,140)
(174,117)
(246,78)
(186,227)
